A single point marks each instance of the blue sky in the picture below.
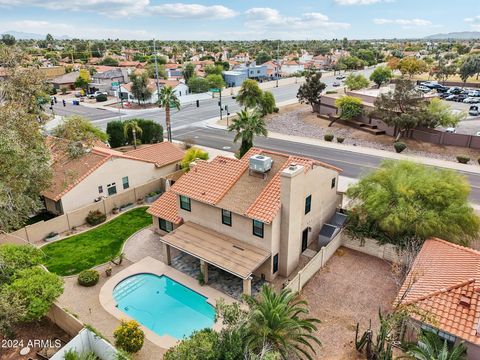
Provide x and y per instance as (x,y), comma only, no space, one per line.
(244,20)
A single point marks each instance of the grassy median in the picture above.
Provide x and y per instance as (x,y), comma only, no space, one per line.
(96,246)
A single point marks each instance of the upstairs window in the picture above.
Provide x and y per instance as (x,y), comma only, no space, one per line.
(185,203)
(308,204)
(226,217)
(258,228)
(165,225)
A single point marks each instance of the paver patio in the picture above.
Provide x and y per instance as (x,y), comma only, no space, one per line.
(349,289)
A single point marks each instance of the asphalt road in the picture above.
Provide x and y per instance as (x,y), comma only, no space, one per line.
(354,164)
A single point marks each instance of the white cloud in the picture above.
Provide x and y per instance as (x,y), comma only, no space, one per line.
(268,18)
(128,8)
(474,19)
(180,10)
(403,22)
(357,2)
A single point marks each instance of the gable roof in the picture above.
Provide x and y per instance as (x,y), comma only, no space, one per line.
(210,182)
(69,172)
(444,281)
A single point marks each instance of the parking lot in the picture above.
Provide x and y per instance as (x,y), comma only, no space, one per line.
(92,113)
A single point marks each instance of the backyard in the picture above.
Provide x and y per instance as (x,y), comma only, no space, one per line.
(96,246)
(350,289)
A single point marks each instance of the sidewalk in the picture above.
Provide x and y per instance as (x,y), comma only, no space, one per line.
(471,168)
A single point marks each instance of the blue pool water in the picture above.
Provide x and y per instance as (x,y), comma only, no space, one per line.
(163,305)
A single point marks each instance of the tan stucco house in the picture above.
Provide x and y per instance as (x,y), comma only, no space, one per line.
(248,216)
(103,172)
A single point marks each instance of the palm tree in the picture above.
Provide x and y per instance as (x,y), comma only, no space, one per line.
(132,125)
(166,99)
(247,125)
(278,322)
(431,347)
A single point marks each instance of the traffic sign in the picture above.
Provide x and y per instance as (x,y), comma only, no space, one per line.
(115,83)
(214,90)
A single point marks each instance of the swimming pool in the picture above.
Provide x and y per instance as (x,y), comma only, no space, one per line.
(163,305)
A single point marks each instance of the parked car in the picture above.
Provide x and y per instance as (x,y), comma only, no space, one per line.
(451,97)
(472,100)
(444,95)
(451,130)
(96,93)
(474,93)
(429,84)
(461,97)
(455,90)
(336,83)
(422,88)
(474,111)
(441,89)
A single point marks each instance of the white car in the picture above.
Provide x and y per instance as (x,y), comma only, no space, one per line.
(336,83)
(474,93)
(472,100)
(451,130)
(96,93)
(422,88)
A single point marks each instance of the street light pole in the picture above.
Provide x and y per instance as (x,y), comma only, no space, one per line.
(220,91)
(156,68)
(278,63)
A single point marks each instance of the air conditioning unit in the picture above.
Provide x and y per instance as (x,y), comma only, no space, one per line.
(260,163)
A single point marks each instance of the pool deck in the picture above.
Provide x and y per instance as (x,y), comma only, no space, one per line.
(156,267)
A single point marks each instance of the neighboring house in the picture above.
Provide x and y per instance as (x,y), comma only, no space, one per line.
(179,88)
(444,283)
(240,73)
(291,67)
(273,70)
(234,78)
(306,57)
(246,221)
(66,81)
(102,81)
(103,172)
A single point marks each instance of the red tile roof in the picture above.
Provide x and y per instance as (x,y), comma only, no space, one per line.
(209,182)
(444,282)
(161,154)
(166,208)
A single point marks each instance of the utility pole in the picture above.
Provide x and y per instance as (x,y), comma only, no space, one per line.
(156,69)
(278,63)
(220,103)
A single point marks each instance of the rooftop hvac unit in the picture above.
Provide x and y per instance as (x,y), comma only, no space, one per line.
(260,163)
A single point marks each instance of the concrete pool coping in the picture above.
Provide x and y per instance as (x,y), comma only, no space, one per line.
(150,265)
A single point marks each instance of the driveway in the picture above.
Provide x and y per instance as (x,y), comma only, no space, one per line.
(350,289)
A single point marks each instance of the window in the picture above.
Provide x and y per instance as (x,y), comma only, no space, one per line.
(258,228)
(111,189)
(185,203)
(308,204)
(125,183)
(100,189)
(165,225)
(226,217)
(333,182)
(275,263)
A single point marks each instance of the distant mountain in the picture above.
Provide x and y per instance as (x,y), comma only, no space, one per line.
(19,35)
(461,35)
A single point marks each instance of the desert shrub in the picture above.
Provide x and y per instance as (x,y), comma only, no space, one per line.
(129,337)
(350,107)
(63,90)
(101,97)
(340,139)
(328,137)
(399,146)
(331,92)
(276,109)
(95,217)
(88,277)
(116,135)
(462,159)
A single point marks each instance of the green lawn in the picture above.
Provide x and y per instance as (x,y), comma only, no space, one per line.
(96,246)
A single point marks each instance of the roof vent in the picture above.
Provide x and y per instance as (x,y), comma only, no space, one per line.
(293,167)
(260,163)
(465,301)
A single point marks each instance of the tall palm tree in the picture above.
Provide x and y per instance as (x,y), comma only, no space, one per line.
(431,347)
(166,99)
(132,125)
(279,322)
(247,125)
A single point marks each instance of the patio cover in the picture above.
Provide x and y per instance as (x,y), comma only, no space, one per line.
(224,252)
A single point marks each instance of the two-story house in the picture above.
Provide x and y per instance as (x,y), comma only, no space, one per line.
(248,216)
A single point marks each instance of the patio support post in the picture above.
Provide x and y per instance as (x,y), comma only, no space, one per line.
(204,270)
(167,257)
(247,286)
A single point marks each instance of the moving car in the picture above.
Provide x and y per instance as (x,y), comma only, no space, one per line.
(472,100)
(451,130)
(474,111)
(341,77)
(336,83)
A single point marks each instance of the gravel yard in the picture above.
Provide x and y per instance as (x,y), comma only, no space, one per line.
(300,121)
(350,289)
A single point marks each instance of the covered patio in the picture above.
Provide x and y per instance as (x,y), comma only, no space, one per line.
(211,247)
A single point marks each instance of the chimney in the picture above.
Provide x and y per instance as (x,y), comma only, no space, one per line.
(465,301)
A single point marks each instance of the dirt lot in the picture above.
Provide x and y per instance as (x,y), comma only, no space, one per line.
(350,289)
(299,120)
